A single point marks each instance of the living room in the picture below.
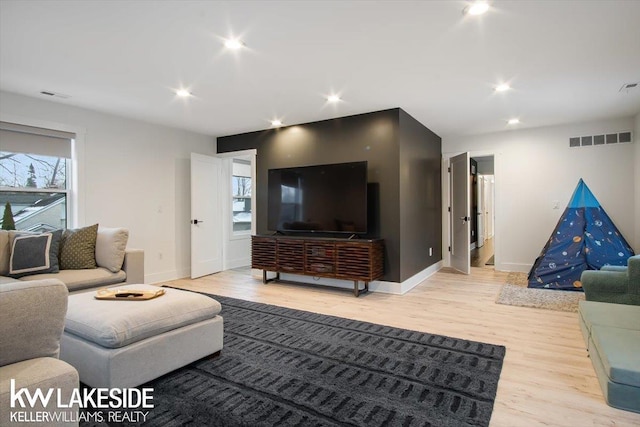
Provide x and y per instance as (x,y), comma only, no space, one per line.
(133,168)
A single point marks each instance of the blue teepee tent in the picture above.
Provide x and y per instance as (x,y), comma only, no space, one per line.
(584,239)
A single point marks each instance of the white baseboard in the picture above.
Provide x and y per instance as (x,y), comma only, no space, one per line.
(237,263)
(404,287)
(166,276)
(512,266)
(336,283)
(375,286)
(397,288)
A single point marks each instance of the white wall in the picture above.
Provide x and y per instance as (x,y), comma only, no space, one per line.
(636,141)
(132,174)
(534,168)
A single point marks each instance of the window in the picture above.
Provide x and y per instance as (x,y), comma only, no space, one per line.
(241,192)
(34,171)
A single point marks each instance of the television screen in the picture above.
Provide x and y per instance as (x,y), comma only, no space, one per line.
(324,198)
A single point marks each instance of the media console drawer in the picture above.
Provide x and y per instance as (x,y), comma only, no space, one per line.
(355,260)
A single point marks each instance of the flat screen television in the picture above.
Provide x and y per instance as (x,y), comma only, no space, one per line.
(318,199)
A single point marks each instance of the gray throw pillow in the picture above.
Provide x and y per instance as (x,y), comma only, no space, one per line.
(78,248)
(34,253)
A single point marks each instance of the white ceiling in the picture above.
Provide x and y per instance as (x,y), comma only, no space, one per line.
(566,60)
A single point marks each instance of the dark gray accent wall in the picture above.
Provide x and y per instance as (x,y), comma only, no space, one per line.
(420,196)
(372,137)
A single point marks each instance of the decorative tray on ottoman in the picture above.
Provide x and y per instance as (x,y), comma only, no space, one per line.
(128,294)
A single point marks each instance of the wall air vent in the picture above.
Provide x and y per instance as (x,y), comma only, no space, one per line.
(56,94)
(627,87)
(601,139)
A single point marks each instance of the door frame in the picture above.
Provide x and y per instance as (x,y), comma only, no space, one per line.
(446,202)
(226,211)
(460,197)
(480,213)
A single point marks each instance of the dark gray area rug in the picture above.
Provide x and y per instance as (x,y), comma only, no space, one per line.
(285,367)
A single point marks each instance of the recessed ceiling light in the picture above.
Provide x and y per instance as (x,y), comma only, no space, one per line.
(503,87)
(333,98)
(476,8)
(183,93)
(276,123)
(233,44)
(513,121)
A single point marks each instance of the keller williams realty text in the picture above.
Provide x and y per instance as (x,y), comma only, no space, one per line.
(130,401)
(45,417)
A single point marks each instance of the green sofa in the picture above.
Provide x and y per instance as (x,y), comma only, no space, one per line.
(620,285)
(612,335)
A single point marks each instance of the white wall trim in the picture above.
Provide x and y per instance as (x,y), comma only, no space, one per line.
(165,276)
(404,287)
(381,286)
(512,266)
(237,263)
(241,153)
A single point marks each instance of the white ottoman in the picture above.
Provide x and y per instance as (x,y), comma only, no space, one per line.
(118,344)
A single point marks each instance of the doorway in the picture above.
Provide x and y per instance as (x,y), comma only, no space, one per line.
(223,211)
(482,194)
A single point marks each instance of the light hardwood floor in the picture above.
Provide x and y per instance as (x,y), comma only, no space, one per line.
(547,378)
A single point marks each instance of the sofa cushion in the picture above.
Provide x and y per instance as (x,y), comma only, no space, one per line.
(33,253)
(111,244)
(82,279)
(114,324)
(78,248)
(39,375)
(619,352)
(608,314)
(31,319)
(6,279)
(4,252)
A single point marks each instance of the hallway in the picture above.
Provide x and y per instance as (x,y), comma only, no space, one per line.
(480,256)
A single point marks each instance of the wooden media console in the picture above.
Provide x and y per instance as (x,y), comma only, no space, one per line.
(356,260)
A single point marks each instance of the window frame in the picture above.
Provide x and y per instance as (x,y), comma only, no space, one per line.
(66,190)
(75,165)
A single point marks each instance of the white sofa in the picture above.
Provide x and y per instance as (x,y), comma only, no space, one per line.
(32,316)
(131,271)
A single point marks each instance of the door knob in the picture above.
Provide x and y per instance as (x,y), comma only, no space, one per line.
(465,218)
(196,221)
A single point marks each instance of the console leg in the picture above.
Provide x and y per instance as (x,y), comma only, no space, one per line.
(356,291)
(265,280)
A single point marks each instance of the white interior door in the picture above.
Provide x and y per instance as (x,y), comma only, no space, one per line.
(489,212)
(481,209)
(206,215)
(460,211)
